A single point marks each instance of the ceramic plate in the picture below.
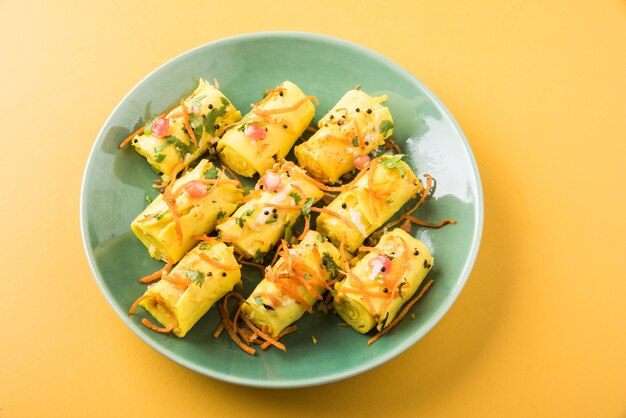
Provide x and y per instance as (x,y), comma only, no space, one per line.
(116,182)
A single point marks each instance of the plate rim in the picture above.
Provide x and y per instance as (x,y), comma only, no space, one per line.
(336,376)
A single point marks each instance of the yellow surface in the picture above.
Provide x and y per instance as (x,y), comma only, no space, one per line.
(539,88)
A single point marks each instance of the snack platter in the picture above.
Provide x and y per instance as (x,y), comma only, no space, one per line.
(274,220)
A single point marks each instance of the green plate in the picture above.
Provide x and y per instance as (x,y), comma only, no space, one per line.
(116,182)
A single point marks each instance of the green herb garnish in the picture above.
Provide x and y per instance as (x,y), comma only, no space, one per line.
(161,215)
(394,161)
(220,215)
(296,197)
(329,264)
(288,233)
(211,117)
(240,220)
(306,208)
(385,126)
(211,173)
(196,276)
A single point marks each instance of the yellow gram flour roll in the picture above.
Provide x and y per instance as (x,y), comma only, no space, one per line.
(189,207)
(291,287)
(206,274)
(272,208)
(354,127)
(383,280)
(365,206)
(265,135)
(166,142)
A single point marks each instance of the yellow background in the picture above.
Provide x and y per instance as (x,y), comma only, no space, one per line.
(539,87)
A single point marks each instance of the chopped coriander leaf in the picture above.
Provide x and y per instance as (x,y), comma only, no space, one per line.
(211,117)
(246,190)
(211,173)
(394,161)
(385,126)
(161,215)
(306,208)
(148,199)
(240,220)
(355,141)
(148,129)
(389,201)
(221,214)
(196,125)
(313,339)
(271,221)
(196,276)
(296,197)
(259,256)
(159,158)
(329,264)
(182,149)
(288,233)
(320,238)
(205,245)
(197,100)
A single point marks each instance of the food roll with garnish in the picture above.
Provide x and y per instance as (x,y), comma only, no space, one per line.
(281,196)
(291,287)
(266,134)
(369,201)
(188,208)
(375,289)
(178,137)
(347,134)
(207,273)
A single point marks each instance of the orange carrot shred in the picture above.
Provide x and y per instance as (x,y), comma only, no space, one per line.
(284,332)
(401,315)
(267,112)
(192,134)
(147,323)
(143,128)
(263,335)
(428,224)
(217,264)
(157,274)
(307,225)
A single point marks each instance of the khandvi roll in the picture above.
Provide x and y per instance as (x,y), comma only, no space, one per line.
(267,133)
(201,278)
(291,287)
(171,142)
(386,185)
(355,127)
(188,207)
(374,290)
(280,197)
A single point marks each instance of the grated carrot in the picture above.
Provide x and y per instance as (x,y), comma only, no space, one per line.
(307,225)
(170,200)
(280,335)
(428,224)
(148,324)
(335,214)
(400,316)
(232,174)
(192,135)
(267,112)
(217,264)
(157,274)
(263,335)
(143,128)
